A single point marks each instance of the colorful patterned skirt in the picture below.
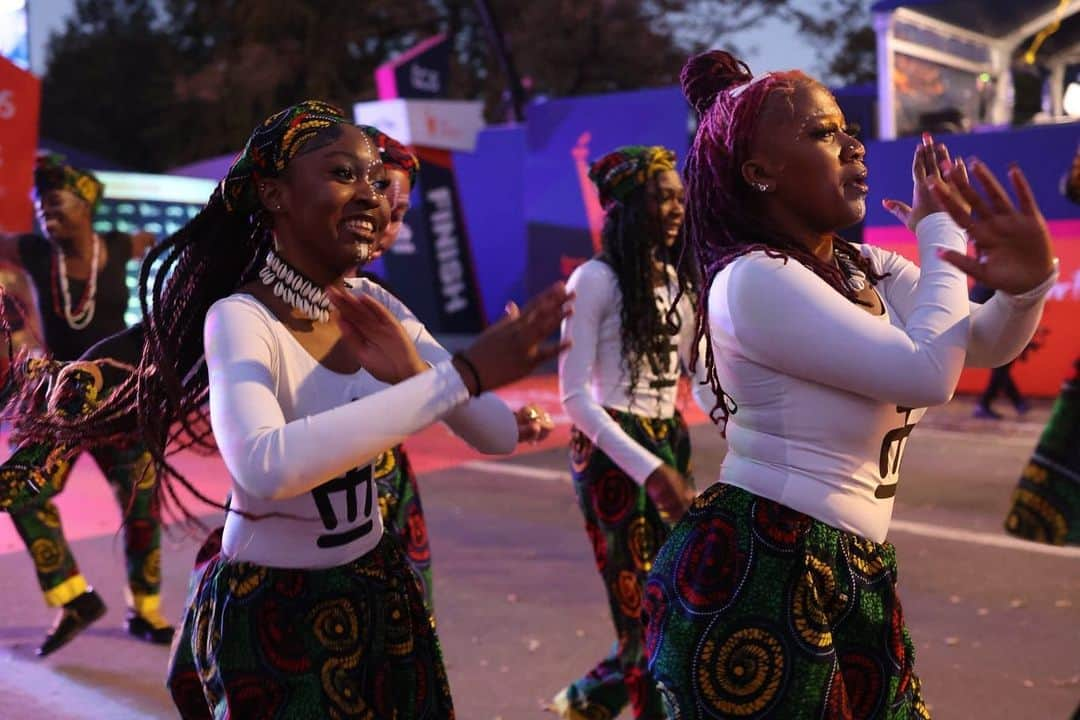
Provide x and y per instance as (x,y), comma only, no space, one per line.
(1046,503)
(757,611)
(403,515)
(347,642)
(625,530)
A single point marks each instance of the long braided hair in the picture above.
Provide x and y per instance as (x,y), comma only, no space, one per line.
(722,222)
(629,246)
(215,253)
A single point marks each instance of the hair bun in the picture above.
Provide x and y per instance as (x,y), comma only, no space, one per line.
(707,74)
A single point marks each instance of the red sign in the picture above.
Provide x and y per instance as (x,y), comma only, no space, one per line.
(20,100)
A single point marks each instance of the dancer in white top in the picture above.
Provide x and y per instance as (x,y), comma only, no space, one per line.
(306,608)
(776,595)
(632,333)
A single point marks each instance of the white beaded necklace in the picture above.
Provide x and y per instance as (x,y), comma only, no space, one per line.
(85,312)
(854,277)
(296,290)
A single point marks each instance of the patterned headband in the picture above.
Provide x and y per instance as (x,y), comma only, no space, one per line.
(52,173)
(393,153)
(621,171)
(271,147)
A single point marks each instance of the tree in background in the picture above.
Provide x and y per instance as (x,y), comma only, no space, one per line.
(109,81)
(154,84)
(843,32)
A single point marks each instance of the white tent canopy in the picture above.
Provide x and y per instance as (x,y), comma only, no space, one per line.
(970,43)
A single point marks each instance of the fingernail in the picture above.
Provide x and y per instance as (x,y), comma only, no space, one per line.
(940,252)
(927,141)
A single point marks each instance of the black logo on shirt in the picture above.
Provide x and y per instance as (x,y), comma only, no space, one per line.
(347,484)
(898,437)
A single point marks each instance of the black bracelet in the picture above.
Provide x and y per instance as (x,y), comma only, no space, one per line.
(460,357)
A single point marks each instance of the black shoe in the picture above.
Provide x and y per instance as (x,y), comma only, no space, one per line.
(984,412)
(140,627)
(75,616)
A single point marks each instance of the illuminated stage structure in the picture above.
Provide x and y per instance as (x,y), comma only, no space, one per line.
(158,204)
(947,65)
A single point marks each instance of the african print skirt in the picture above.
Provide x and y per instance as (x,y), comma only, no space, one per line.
(625,530)
(1046,503)
(757,611)
(403,515)
(347,642)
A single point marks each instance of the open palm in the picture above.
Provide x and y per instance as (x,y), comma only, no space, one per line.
(1014,250)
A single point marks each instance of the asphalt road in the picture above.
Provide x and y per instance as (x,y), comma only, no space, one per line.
(521,611)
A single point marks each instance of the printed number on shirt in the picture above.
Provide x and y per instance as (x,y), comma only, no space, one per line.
(345,490)
(892,452)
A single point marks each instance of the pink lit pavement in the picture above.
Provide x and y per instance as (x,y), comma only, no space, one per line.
(521,611)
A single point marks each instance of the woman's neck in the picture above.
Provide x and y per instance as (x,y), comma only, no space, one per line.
(80,244)
(820,246)
(312,270)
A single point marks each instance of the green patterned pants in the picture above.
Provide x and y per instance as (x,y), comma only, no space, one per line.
(403,516)
(1046,503)
(37,471)
(755,610)
(626,531)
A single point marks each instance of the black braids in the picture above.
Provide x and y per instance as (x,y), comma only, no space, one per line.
(628,244)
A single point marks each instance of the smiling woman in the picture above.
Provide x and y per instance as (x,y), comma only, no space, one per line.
(301,605)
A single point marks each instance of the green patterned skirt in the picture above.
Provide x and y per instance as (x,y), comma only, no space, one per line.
(625,530)
(352,641)
(1046,503)
(757,611)
(403,515)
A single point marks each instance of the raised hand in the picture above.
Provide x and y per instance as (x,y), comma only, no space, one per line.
(375,335)
(931,164)
(1014,251)
(670,492)
(515,345)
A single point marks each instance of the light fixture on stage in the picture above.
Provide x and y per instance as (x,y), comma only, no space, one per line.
(1070,102)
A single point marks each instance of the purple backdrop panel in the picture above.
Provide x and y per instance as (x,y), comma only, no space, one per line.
(1044,153)
(491,186)
(563,137)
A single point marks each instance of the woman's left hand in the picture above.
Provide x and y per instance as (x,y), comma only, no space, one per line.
(1014,250)
(375,335)
(533,424)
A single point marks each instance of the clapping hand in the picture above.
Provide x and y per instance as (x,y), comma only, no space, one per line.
(1014,252)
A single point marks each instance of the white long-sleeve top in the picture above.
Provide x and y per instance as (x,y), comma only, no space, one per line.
(593,373)
(299,439)
(827,393)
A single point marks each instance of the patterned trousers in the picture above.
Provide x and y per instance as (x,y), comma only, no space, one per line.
(38,471)
(626,532)
(1046,503)
(403,516)
(755,610)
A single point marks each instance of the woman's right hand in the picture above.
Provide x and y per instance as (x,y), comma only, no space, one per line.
(670,492)
(514,346)
(376,337)
(930,165)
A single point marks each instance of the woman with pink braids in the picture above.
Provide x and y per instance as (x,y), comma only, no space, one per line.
(775,596)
